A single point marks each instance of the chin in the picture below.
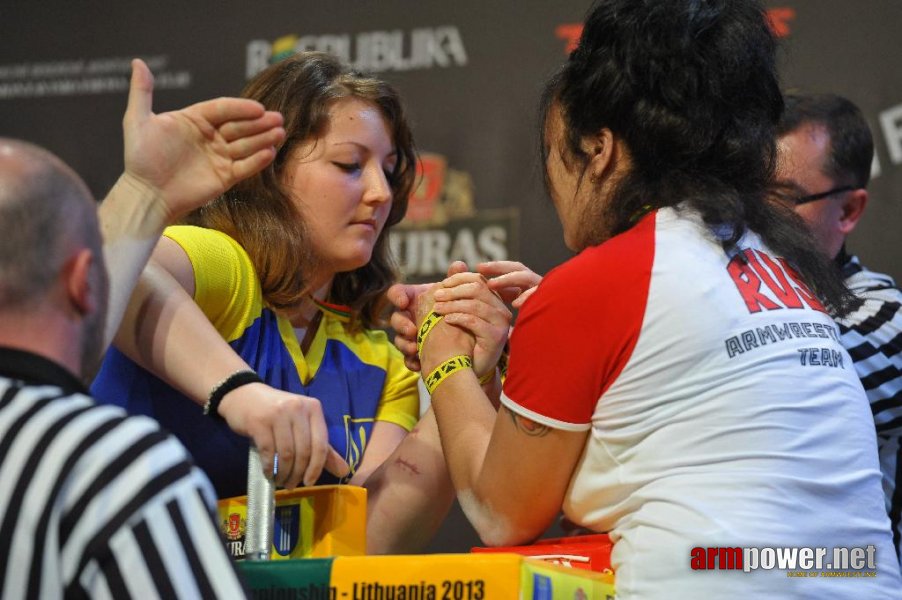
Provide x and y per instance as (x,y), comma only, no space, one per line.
(352,263)
(574,243)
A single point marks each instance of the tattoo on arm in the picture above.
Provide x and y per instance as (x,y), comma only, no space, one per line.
(527,426)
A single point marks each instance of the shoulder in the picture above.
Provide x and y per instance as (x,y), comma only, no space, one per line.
(607,273)
(866,283)
(882,299)
(133,462)
(576,333)
(94,446)
(198,242)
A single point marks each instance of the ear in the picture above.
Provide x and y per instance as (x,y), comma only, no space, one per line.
(77,282)
(601,152)
(852,210)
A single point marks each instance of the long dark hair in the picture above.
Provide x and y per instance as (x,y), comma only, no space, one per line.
(691,87)
(259,213)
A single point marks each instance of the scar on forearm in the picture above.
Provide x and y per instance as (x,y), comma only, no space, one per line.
(408,466)
(528,426)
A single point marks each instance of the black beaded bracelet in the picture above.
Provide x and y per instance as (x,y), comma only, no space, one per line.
(233,381)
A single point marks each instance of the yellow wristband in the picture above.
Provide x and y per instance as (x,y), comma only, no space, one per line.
(449,367)
(429,322)
(487,377)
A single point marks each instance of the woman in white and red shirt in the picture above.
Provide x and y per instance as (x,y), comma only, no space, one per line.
(678,382)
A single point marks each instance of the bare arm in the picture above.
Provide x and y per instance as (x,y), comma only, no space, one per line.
(510,473)
(496,460)
(175,162)
(409,494)
(166,332)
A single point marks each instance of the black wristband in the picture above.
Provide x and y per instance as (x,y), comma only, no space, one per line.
(233,381)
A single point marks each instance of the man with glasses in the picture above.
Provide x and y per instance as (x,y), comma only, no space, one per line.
(825,155)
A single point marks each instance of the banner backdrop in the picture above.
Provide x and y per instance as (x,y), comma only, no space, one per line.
(470,72)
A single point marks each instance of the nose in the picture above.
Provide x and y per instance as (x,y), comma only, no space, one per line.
(378,190)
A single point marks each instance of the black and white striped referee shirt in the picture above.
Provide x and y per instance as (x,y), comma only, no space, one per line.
(873,337)
(97,504)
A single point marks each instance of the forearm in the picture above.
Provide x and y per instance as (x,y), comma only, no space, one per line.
(466,419)
(165,331)
(410,494)
(131,220)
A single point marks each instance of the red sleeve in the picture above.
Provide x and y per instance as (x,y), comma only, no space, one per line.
(576,333)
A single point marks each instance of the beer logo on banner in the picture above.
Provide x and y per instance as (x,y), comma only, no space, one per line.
(368,51)
(233,527)
(442,225)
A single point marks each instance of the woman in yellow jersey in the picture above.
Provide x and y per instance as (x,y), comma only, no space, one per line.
(261,309)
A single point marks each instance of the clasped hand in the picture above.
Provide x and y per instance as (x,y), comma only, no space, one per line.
(476,321)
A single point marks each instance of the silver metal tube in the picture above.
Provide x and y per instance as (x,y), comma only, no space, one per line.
(261,506)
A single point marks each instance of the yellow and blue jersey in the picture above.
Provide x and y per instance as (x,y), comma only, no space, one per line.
(359,377)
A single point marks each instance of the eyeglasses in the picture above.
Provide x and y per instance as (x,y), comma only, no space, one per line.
(798,201)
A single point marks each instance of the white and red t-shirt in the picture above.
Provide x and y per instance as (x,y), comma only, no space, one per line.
(722,411)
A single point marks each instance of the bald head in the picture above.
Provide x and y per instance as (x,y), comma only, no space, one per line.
(46,212)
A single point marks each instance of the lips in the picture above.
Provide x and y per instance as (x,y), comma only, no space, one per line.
(368,222)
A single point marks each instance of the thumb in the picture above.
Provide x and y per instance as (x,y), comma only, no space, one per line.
(458,266)
(400,295)
(140,91)
(336,465)
(523,297)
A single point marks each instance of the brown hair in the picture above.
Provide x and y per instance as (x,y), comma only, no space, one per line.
(258,212)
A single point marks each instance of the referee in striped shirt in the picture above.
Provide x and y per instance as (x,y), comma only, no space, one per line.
(94,503)
(826,151)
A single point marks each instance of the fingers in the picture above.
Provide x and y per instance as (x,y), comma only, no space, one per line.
(405,328)
(335,464)
(423,302)
(407,346)
(485,329)
(462,285)
(509,278)
(219,111)
(496,314)
(468,293)
(400,295)
(290,425)
(413,362)
(251,146)
(262,438)
(519,279)
(508,294)
(293,452)
(494,268)
(458,266)
(244,168)
(402,322)
(318,438)
(252,143)
(293,427)
(523,297)
(140,92)
(246,128)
